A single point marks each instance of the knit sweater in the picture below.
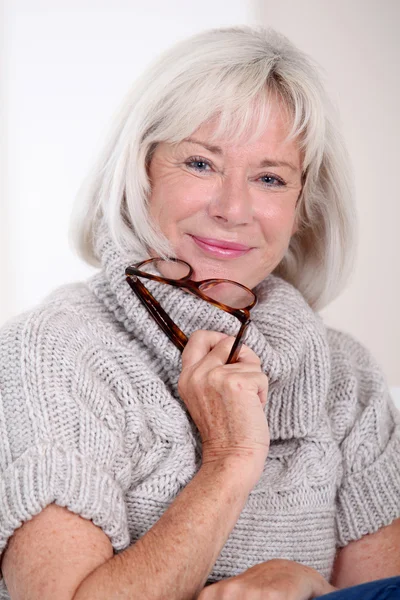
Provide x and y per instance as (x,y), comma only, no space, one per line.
(91,419)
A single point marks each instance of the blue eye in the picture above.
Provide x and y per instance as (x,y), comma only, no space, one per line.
(197,164)
(272,181)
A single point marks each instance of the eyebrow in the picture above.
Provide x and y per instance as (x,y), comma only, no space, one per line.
(266,162)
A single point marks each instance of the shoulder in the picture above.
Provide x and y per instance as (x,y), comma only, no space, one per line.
(345,349)
(366,425)
(66,300)
(68,314)
(26,339)
(362,413)
(61,420)
(55,362)
(353,364)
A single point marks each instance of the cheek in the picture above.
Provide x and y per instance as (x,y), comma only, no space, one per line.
(277,221)
(178,198)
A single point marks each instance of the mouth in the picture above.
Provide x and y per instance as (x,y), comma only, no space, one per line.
(220,248)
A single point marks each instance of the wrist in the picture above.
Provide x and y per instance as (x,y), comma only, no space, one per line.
(239,471)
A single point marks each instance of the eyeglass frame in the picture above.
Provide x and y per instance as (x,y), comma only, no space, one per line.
(174,333)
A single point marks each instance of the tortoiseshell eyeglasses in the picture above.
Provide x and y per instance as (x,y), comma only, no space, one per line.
(230,296)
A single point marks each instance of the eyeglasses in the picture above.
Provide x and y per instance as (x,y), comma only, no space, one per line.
(229,296)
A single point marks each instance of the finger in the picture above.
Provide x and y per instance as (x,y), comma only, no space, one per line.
(251,367)
(211,592)
(241,384)
(220,353)
(199,345)
(213,348)
(247,355)
(263,391)
(261,381)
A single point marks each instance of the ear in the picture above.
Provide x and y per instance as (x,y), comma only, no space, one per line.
(149,157)
(295,227)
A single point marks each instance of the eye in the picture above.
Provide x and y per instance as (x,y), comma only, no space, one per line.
(272,181)
(197,163)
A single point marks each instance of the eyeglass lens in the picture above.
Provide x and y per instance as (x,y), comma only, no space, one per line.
(228,293)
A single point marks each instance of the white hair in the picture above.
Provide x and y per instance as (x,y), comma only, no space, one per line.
(227,74)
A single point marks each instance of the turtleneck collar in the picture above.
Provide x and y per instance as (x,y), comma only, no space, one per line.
(285,333)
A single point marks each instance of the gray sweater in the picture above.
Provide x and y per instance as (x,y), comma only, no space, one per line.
(91,419)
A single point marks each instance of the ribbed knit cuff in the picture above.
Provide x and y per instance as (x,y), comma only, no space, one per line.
(370,499)
(47,474)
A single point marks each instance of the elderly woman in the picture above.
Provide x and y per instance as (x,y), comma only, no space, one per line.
(183,424)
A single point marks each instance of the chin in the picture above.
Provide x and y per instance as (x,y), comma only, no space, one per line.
(203,271)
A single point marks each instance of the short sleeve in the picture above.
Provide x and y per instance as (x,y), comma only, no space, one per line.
(366,425)
(61,426)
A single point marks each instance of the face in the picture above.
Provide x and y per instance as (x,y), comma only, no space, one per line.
(229,210)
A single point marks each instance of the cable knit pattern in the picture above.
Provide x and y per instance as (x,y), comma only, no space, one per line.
(90,418)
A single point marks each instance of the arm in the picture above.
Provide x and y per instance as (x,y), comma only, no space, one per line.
(366,425)
(226,402)
(174,558)
(49,555)
(374,556)
(60,555)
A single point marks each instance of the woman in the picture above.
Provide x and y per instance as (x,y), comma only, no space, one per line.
(137,464)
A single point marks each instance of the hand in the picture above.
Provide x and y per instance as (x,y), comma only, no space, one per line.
(276,579)
(226,402)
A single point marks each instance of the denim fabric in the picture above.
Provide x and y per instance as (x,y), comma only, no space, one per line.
(382,589)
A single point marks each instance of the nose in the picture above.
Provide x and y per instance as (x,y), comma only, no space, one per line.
(231,203)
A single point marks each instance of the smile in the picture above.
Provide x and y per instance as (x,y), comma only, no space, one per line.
(220,248)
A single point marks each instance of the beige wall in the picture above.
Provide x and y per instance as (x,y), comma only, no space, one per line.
(357,44)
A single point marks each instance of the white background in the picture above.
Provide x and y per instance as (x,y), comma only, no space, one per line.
(65,67)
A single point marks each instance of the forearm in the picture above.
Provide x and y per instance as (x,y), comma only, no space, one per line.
(174,558)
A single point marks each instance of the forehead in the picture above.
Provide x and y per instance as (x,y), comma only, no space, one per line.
(269,137)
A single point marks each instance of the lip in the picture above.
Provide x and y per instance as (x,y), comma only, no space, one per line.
(220,248)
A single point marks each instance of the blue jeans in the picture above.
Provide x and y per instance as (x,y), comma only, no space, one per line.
(382,589)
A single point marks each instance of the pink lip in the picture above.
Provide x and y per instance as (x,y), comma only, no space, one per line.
(221,247)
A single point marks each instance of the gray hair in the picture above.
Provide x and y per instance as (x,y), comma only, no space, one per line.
(225,74)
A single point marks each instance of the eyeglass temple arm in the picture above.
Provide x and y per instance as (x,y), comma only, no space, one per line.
(235,350)
(170,328)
